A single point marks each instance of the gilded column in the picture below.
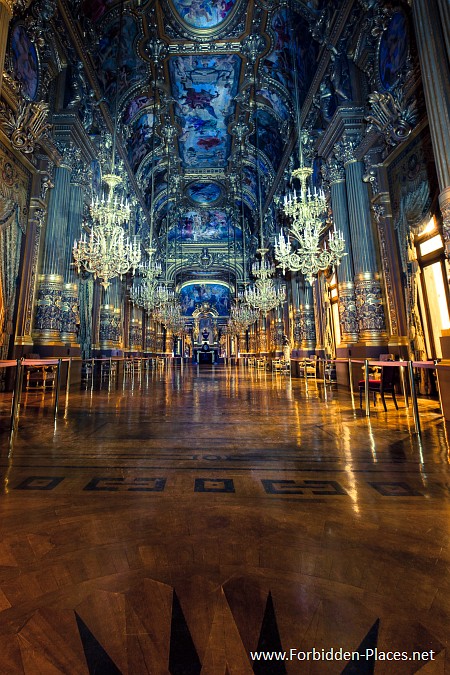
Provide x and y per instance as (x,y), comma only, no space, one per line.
(345,271)
(296,315)
(47,326)
(69,303)
(432,26)
(136,330)
(307,320)
(108,332)
(368,293)
(6,12)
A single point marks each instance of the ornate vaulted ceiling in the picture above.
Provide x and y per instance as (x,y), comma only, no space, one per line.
(201,144)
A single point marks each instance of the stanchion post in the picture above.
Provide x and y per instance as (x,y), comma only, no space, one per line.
(404,387)
(15,402)
(58,384)
(350,376)
(414,398)
(438,385)
(69,366)
(366,386)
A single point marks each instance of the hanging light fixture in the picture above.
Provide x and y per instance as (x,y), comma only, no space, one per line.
(263,295)
(144,293)
(107,251)
(242,315)
(306,212)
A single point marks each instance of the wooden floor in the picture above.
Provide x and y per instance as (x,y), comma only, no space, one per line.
(175,522)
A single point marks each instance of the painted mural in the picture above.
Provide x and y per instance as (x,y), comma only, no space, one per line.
(25,62)
(132,69)
(160,185)
(393,49)
(205,226)
(204,88)
(201,192)
(275,100)
(269,138)
(95,9)
(204,13)
(278,64)
(218,296)
(135,106)
(139,142)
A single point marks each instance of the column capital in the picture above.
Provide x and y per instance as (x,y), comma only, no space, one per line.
(8,5)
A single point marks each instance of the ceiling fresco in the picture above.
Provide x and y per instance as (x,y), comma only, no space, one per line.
(206,82)
(205,226)
(204,14)
(203,88)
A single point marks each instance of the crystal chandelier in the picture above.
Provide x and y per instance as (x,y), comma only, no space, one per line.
(144,294)
(241,317)
(306,210)
(172,317)
(264,296)
(107,251)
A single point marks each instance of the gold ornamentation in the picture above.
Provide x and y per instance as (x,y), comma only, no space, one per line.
(27,126)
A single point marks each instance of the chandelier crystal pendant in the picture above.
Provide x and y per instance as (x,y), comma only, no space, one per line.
(241,317)
(306,210)
(263,295)
(106,251)
(144,294)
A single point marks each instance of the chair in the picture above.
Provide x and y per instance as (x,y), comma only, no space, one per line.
(308,367)
(39,377)
(329,371)
(382,386)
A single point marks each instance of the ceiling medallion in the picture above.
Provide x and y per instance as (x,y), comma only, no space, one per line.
(203,17)
(203,193)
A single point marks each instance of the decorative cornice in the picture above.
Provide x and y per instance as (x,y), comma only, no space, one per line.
(347,120)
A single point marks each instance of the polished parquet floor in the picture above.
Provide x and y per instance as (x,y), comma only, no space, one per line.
(176,521)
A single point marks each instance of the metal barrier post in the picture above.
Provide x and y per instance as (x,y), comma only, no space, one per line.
(438,388)
(404,388)
(15,402)
(366,387)
(350,376)
(58,383)
(69,366)
(414,398)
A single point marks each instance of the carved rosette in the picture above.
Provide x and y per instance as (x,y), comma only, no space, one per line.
(47,325)
(108,329)
(69,313)
(136,335)
(307,327)
(369,308)
(348,320)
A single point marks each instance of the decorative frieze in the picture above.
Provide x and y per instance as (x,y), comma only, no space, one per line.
(369,308)
(348,319)
(47,327)
(307,327)
(70,316)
